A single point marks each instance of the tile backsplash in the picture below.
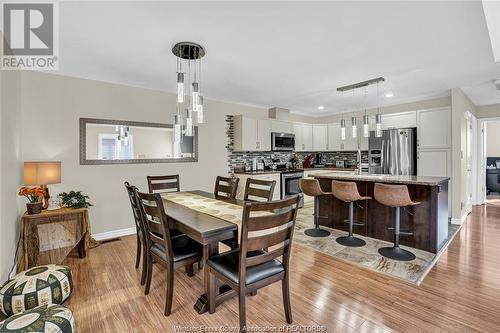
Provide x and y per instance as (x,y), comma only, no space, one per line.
(244,158)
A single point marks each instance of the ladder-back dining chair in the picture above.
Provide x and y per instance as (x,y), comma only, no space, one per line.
(169,183)
(259,190)
(226,187)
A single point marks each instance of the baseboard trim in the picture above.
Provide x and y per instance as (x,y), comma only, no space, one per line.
(461,220)
(114,234)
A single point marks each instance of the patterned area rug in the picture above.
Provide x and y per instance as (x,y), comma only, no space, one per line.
(367,256)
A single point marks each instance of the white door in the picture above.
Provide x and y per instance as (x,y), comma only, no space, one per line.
(468,164)
(264,135)
(319,137)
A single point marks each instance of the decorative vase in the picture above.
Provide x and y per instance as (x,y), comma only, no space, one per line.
(34,208)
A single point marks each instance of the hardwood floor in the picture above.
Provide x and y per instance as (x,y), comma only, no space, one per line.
(460,294)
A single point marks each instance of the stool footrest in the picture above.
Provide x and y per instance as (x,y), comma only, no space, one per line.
(406,233)
(357,223)
(320,216)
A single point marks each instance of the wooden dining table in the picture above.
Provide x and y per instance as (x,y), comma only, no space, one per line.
(207,230)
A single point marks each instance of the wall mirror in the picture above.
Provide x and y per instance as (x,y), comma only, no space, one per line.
(104,141)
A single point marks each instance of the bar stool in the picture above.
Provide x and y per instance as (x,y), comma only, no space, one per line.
(395,196)
(348,192)
(312,188)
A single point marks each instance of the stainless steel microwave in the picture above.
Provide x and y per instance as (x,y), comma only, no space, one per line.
(282,141)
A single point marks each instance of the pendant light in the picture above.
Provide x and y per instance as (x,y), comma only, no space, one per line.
(189,123)
(342,128)
(354,122)
(188,51)
(366,120)
(378,118)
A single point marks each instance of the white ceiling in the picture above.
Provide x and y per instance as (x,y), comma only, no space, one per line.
(287,54)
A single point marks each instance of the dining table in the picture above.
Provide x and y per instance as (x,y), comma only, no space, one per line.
(208,219)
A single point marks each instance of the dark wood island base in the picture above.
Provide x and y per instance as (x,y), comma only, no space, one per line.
(428,221)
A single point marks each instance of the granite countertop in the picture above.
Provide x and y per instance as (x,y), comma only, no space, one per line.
(414,180)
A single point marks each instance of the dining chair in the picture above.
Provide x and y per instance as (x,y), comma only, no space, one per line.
(226,187)
(248,268)
(141,242)
(168,183)
(171,252)
(259,190)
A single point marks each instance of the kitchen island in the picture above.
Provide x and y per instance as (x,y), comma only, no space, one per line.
(428,221)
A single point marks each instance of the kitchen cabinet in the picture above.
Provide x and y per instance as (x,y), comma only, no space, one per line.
(240,192)
(334,141)
(399,120)
(320,137)
(281,126)
(251,134)
(434,128)
(303,136)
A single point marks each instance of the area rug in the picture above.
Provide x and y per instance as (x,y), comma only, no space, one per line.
(367,256)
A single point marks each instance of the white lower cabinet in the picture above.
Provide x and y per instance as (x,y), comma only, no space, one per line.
(436,163)
(240,193)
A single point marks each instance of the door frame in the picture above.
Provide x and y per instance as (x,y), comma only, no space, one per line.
(480,198)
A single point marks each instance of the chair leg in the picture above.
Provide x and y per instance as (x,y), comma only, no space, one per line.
(149,273)
(138,255)
(190,270)
(253,293)
(144,265)
(170,290)
(286,299)
(242,311)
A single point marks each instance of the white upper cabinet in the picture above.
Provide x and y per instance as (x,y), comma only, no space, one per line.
(320,137)
(281,126)
(251,134)
(399,120)
(434,128)
(334,142)
(303,136)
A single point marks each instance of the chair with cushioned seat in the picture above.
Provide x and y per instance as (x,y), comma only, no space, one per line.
(40,285)
(171,252)
(348,192)
(311,187)
(248,268)
(395,196)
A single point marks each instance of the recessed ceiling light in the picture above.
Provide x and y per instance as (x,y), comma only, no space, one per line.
(389,95)
(321,107)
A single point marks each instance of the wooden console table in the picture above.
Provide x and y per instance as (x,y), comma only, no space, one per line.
(48,237)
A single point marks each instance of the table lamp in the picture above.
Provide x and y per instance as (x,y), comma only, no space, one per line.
(42,174)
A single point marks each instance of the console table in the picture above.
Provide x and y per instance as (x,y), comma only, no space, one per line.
(48,237)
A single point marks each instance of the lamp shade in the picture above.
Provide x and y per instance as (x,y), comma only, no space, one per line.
(42,173)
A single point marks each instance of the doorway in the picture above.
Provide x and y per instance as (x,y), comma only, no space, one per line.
(488,187)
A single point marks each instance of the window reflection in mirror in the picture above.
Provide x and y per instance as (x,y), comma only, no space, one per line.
(109,142)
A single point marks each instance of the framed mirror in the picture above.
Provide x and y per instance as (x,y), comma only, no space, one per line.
(104,141)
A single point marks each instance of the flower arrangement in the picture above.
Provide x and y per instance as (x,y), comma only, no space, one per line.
(33,194)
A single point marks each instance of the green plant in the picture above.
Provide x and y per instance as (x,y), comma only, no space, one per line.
(75,199)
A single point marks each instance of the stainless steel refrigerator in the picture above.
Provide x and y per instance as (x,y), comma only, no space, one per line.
(395,153)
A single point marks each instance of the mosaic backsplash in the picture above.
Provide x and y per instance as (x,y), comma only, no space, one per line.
(240,159)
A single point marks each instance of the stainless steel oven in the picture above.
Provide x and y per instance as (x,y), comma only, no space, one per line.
(282,141)
(290,184)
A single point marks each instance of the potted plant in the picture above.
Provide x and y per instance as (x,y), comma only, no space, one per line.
(75,199)
(34,196)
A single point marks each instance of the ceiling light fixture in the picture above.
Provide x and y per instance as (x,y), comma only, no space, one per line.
(321,107)
(354,122)
(388,95)
(188,52)
(366,120)
(342,128)
(378,117)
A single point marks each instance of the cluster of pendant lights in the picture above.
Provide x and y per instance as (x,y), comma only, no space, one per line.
(188,69)
(366,118)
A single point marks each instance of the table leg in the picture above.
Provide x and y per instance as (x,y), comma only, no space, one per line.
(82,253)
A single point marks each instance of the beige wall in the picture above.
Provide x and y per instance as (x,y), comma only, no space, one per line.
(10,168)
(52,106)
(460,105)
(493,139)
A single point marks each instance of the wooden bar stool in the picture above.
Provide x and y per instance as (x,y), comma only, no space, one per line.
(348,192)
(312,188)
(395,196)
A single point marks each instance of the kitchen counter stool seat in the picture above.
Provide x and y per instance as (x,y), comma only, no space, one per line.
(348,192)
(312,188)
(395,196)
